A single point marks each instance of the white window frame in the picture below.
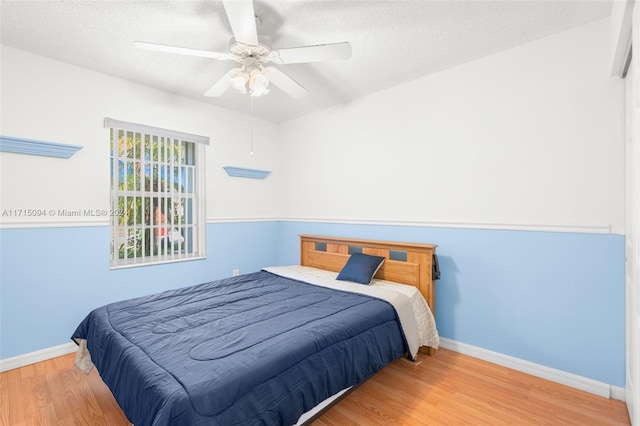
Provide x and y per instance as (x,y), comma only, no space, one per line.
(157,237)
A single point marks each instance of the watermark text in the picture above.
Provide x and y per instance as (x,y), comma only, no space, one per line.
(60,212)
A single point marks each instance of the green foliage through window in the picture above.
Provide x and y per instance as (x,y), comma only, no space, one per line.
(153,190)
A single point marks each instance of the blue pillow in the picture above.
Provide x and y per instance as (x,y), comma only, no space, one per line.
(361,268)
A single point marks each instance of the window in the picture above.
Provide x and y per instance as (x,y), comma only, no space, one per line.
(157,195)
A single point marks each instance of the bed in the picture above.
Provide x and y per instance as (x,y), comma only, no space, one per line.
(270,347)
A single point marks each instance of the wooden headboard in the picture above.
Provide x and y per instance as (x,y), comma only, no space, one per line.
(413,264)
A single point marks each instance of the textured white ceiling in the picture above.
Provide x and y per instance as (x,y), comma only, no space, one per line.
(393,41)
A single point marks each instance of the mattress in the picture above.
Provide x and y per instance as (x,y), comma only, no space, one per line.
(256,349)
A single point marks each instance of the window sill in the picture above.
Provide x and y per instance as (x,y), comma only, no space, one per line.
(156,262)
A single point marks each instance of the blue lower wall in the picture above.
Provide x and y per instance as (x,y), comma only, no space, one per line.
(51,278)
(555,299)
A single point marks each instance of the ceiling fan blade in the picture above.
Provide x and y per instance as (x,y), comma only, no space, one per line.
(286,83)
(221,85)
(243,21)
(321,52)
(181,50)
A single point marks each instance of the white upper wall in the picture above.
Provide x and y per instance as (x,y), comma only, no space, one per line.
(52,101)
(529,136)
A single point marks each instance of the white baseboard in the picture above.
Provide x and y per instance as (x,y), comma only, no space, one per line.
(37,356)
(618,393)
(548,373)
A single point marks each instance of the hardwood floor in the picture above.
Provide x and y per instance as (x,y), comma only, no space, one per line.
(454,389)
(446,389)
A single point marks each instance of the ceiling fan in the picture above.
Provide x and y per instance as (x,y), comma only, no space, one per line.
(253,77)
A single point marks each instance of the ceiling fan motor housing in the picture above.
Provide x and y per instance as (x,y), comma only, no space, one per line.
(244,53)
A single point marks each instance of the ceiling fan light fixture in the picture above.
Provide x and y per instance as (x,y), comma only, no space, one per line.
(239,80)
(259,82)
(254,82)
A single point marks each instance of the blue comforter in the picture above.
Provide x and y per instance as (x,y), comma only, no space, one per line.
(253,349)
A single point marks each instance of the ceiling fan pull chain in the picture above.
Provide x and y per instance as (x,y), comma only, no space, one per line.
(251,152)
